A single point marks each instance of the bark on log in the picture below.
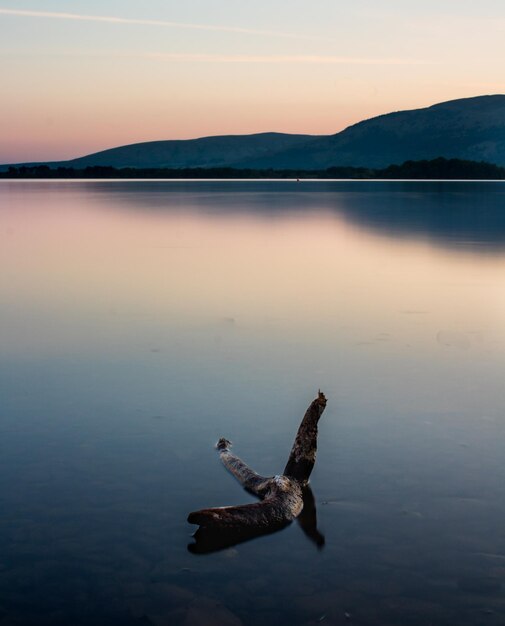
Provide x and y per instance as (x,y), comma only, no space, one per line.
(303,454)
(282,497)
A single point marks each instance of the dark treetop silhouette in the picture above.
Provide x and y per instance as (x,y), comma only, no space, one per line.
(283,498)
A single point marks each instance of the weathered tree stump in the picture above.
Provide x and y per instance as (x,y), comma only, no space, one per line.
(282,496)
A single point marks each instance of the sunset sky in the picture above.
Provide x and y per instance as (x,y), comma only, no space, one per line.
(78,76)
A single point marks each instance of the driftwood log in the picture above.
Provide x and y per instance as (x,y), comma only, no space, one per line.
(282,497)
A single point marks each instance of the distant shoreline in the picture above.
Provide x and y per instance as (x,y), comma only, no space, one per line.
(435,169)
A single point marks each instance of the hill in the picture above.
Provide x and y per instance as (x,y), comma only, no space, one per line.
(470,129)
(217,151)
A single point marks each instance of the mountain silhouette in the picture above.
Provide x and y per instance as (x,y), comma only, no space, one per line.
(469,128)
(204,152)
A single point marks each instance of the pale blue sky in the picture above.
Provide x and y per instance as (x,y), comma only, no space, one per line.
(71,86)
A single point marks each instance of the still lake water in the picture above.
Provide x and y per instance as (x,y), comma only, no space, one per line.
(140,321)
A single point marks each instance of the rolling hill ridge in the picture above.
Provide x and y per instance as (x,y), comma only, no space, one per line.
(469,128)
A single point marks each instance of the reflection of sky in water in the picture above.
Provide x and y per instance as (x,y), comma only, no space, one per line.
(140,321)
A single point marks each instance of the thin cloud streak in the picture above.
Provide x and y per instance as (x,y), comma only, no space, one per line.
(223,58)
(144,22)
(314,59)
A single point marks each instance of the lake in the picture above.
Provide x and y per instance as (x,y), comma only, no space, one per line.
(140,321)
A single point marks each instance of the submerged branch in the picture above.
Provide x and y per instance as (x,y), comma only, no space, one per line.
(282,497)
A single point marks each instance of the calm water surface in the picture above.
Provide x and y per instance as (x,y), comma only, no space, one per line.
(141,321)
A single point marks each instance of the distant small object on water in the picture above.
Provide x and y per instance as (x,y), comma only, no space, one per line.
(453,339)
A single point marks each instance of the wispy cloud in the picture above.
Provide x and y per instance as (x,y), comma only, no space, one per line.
(315,59)
(144,22)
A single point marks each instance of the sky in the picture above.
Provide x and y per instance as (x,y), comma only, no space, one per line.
(82,76)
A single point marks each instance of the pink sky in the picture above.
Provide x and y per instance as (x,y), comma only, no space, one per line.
(90,79)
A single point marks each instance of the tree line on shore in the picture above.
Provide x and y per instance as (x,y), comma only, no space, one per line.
(440,168)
